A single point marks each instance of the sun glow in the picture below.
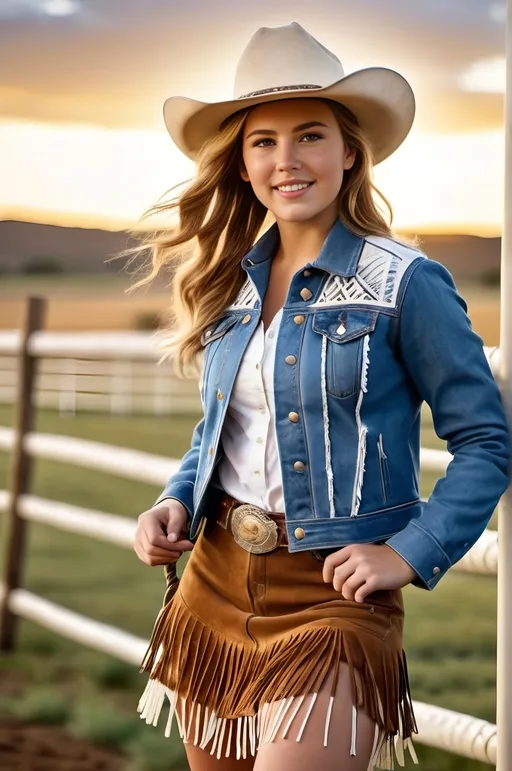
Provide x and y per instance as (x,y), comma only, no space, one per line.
(77,174)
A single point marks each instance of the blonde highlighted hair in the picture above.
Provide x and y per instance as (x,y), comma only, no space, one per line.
(220,219)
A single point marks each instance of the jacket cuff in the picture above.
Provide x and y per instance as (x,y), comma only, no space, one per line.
(422,552)
(182,493)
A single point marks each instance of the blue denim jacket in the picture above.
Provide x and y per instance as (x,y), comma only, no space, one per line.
(369,330)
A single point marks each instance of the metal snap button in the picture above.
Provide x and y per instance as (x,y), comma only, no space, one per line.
(293,417)
(307,273)
(246,319)
(299,465)
(306,294)
(299,319)
(299,533)
(436,571)
(291,359)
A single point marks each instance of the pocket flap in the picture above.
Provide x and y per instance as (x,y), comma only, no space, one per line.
(341,327)
(218,328)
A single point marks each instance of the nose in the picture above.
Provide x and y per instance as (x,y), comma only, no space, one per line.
(287,157)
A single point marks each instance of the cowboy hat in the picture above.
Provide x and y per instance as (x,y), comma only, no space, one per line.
(286,63)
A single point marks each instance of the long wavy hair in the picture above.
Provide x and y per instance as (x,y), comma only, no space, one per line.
(219,220)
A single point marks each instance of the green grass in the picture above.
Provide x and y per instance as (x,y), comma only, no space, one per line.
(450,634)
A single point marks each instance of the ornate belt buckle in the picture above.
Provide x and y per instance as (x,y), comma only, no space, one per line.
(253,530)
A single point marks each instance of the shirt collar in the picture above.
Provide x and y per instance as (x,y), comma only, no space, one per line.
(339,254)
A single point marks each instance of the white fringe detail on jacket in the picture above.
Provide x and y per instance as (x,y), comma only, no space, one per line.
(327,439)
(362,430)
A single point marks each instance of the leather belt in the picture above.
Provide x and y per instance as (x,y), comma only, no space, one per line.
(255,530)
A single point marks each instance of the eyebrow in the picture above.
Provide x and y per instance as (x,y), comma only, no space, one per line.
(302,127)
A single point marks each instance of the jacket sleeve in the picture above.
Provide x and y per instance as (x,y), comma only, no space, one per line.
(181,485)
(447,364)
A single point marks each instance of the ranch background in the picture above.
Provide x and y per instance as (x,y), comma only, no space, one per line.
(83,154)
(75,708)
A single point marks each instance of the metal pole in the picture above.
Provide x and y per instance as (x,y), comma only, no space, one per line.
(504,668)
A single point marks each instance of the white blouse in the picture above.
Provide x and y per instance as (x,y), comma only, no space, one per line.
(250,470)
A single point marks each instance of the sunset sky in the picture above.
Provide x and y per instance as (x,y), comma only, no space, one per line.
(82,84)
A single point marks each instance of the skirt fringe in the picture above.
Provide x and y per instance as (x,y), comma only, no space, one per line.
(214,684)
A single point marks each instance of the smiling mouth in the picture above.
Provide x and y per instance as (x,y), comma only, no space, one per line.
(293,188)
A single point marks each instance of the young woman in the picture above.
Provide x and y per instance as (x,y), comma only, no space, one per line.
(281,646)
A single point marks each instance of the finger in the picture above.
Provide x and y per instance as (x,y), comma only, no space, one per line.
(153,560)
(153,533)
(156,550)
(332,561)
(351,586)
(366,588)
(342,573)
(181,545)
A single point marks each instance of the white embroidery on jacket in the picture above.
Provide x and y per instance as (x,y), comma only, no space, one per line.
(380,270)
(246,298)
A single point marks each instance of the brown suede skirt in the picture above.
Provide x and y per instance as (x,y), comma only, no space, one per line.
(246,638)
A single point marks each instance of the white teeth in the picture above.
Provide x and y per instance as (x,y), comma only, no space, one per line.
(292,188)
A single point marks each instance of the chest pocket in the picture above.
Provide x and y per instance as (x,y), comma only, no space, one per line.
(345,332)
(211,340)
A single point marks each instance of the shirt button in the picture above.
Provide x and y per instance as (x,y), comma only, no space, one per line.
(307,273)
(293,417)
(306,294)
(258,365)
(299,533)
(256,473)
(271,334)
(246,319)
(436,571)
(260,440)
(291,360)
(299,465)
(299,319)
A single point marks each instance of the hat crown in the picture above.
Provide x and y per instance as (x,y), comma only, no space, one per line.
(284,58)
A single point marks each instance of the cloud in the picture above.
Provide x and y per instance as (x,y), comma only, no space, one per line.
(14,9)
(486,76)
(498,12)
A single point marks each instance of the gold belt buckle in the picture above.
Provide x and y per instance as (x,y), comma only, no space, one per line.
(253,530)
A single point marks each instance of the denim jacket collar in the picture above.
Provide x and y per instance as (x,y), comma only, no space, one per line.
(339,254)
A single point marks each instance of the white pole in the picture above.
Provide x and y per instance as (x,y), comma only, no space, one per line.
(504,669)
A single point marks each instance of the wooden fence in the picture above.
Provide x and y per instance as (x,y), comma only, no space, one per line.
(444,729)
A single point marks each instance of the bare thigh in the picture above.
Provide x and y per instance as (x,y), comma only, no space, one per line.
(288,754)
(201,760)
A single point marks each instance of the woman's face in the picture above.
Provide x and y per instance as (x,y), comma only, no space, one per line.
(298,143)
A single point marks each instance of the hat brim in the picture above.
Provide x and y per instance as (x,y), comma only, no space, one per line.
(381,99)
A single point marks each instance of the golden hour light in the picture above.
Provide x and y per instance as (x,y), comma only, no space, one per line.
(75,174)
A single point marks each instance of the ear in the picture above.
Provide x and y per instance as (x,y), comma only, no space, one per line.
(350,159)
(243,173)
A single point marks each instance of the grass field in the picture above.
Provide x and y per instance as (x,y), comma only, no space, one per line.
(450,633)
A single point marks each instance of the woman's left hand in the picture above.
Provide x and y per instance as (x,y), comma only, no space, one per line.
(360,569)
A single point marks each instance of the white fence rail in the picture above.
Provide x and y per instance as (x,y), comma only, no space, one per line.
(116,372)
(113,372)
(440,728)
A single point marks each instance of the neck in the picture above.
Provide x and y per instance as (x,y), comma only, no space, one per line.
(301,242)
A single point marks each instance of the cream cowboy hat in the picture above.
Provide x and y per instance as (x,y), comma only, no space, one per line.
(286,63)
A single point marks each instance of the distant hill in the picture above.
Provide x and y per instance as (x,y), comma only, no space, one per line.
(75,250)
(81,250)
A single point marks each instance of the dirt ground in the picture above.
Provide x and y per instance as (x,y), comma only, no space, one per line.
(25,747)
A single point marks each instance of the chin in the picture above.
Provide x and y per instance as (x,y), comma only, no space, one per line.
(296,216)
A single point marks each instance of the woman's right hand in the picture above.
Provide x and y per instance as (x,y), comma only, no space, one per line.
(161,535)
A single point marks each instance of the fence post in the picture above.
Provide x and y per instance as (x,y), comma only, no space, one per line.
(20,471)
